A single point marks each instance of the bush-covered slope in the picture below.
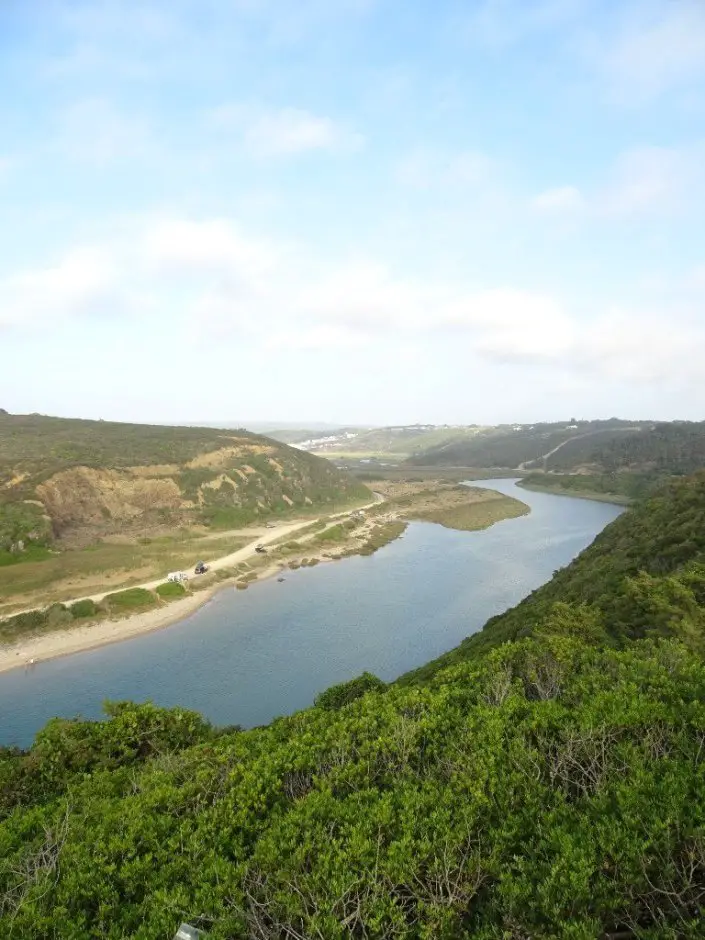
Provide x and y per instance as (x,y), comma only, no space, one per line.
(623,487)
(676,448)
(511,447)
(552,788)
(555,791)
(99,477)
(644,574)
(600,447)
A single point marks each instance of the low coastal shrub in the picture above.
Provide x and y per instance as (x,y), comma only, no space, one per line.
(336,533)
(57,615)
(382,535)
(294,565)
(242,585)
(342,694)
(86,608)
(131,599)
(171,589)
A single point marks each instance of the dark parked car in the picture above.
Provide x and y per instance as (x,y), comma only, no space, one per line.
(201,567)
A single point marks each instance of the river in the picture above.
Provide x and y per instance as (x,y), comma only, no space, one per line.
(248,656)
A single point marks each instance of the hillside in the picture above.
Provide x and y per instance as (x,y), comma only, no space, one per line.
(551,787)
(87,479)
(520,446)
(395,442)
(644,575)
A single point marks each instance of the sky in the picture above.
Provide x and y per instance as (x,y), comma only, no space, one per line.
(360,211)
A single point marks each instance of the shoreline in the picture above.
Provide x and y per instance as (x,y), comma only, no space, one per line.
(81,639)
(611,498)
(32,651)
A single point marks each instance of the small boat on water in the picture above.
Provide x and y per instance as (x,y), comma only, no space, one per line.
(281,579)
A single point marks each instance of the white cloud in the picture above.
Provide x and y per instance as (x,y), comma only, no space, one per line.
(661,45)
(221,282)
(560,199)
(213,246)
(292,131)
(643,181)
(85,281)
(642,347)
(94,131)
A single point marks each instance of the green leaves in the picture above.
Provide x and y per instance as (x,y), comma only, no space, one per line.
(478,807)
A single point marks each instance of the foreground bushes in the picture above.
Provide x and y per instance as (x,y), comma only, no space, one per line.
(556,790)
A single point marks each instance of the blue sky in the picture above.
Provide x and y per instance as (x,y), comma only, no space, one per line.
(367,211)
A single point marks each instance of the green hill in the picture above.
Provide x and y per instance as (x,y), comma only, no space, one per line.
(94,478)
(644,575)
(608,458)
(397,441)
(547,787)
(86,505)
(512,447)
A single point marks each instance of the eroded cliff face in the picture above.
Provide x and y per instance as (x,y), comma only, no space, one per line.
(98,479)
(84,497)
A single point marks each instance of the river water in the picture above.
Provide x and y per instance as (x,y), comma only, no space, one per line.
(248,656)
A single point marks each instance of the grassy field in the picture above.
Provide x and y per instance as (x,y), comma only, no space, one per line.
(90,570)
(446,503)
(473,516)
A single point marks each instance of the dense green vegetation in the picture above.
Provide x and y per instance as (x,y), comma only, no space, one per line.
(510,447)
(552,786)
(171,589)
(628,486)
(674,448)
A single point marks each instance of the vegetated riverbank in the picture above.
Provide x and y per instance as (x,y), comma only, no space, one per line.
(61,629)
(556,488)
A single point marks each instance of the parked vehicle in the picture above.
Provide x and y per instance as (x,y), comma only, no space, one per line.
(201,567)
(177,576)
(261,549)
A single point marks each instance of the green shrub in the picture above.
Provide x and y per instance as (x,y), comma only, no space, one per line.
(171,589)
(57,616)
(86,608)
(339,695)
(131,599)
